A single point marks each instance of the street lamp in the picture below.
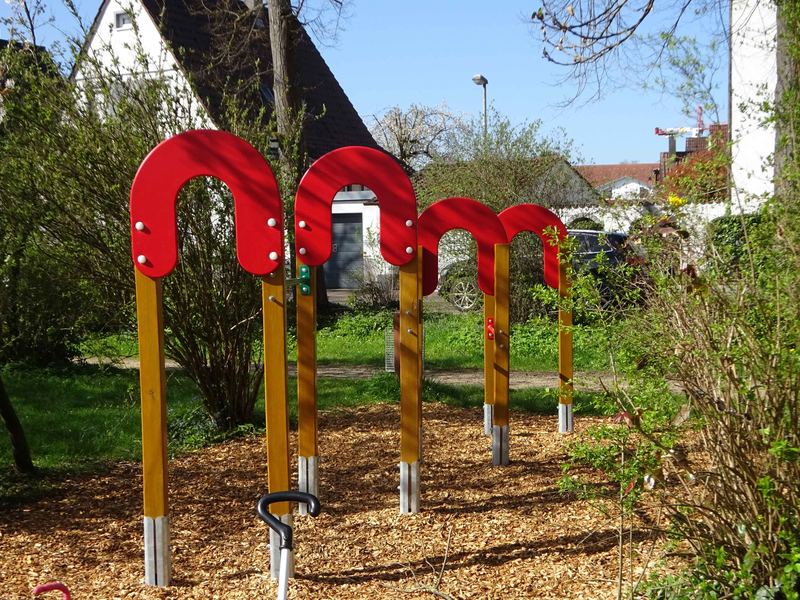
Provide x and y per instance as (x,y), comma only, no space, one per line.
(481,80)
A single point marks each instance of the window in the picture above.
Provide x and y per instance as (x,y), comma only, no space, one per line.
(122,20)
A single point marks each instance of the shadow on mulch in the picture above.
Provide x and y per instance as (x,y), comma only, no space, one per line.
(511,534)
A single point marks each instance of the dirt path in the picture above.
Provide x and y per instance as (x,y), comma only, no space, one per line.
(506,532)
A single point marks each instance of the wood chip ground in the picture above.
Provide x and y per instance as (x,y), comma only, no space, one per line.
(512,534)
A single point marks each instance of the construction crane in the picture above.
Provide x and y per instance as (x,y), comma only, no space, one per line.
(673,132)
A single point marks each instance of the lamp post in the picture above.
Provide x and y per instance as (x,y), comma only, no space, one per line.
(481,80)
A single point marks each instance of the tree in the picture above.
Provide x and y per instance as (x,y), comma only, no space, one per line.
(603,46)
(420,134)
(68,155)
(19,443)
(512,164)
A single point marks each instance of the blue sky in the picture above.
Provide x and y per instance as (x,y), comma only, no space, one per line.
(398,52)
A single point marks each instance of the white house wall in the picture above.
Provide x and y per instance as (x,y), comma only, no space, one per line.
(753,81)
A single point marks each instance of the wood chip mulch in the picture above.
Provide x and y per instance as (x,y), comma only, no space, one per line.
(512,534)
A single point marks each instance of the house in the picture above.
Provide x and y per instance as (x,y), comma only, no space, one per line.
(550,181)
(627,181)
(176,40)
(753,84)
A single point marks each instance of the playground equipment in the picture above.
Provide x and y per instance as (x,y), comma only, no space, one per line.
(280,534)
(260,250)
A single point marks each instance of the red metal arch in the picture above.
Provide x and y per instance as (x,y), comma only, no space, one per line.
(459,213)
(536,219)
(364,166)
(154,228)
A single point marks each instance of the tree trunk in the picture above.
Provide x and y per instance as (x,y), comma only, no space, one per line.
(286,88)
(787,81)
(19,444)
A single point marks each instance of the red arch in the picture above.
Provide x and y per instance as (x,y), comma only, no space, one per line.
(194,154)
(459,213)
(364,166)
(536,219)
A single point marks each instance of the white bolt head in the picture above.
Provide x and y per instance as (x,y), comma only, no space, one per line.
(272,298)
(272,222)
(409,331)
(302,224)
(139,226)
(302,251)
(273,256)
(409,223)
(409,250)
(501,346)
(141,259)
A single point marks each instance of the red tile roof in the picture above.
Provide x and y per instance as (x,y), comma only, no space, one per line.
(600,174)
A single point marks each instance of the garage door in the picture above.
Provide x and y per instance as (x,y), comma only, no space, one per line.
(346,263)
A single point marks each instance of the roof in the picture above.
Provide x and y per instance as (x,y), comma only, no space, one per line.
(600,174)
(623,181)
(187,26)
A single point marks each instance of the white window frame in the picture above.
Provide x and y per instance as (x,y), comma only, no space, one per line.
(122,16)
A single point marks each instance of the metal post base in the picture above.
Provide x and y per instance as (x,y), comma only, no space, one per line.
(409,488)
(157,560)
(488,418)
(565,424)
(307,479)
(500,445)
(275,551)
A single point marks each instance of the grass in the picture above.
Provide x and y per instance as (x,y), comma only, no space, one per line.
(84,415)
(81,419)
(451,341)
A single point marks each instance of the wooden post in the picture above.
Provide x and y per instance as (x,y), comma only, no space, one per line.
(307,435)
(273,297)
(396,341)
(501,354)
(420,347)
(488,365)
(565,424)
(409,387)
(152,381)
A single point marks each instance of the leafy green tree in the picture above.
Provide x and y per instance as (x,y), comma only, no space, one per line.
(68,154)
(512,164)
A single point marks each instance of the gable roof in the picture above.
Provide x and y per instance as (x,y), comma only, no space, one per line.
(624,180)
(600,174)
(187,25)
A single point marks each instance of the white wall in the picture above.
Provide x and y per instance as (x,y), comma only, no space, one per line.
(753,81)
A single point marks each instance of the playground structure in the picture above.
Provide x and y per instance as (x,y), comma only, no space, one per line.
(260,250)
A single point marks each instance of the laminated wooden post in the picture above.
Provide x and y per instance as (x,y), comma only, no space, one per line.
(152,381)
(488,363)
(420,347)
(502,292)
(565,424)
(273,297)
(409,387)
(308,455)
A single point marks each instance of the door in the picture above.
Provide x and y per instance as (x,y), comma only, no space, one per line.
(346,264)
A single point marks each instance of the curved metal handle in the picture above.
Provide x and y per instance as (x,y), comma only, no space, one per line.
(284,530)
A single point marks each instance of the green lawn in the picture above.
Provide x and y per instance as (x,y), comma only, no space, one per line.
(83,415)
(451,341)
